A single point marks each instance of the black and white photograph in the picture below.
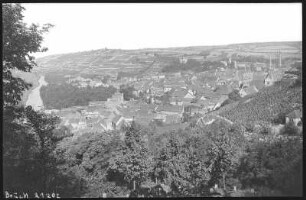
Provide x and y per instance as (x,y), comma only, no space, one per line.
(148,100)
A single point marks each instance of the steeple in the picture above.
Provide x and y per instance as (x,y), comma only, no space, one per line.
(270,63)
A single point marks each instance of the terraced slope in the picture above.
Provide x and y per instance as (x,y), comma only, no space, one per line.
(266,104)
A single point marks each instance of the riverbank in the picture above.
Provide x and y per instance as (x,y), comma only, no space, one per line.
(34,98)
(28,77)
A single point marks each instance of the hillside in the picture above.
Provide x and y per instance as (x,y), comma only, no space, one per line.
(105,60)
(266,105)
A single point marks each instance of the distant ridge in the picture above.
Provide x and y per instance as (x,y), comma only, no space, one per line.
(182,48)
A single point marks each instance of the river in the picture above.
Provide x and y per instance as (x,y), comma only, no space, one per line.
(34,98)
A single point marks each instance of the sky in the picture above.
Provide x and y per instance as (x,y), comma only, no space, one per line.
(84,27)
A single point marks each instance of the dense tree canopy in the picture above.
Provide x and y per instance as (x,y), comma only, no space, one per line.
(58,96)
(28,136)
(19,41)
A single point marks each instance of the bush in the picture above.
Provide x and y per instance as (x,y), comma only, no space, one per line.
(249,127)
(290,129)
(261,129)
(280,119)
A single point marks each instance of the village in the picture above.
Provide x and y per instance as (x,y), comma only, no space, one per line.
(167,98)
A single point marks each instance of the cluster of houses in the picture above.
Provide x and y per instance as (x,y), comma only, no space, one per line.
(81,82)
(166,97)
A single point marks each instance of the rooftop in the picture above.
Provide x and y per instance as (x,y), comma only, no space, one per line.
(170,108)
(295,114)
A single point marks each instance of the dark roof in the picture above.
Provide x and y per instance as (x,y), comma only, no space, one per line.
(250,90)
(179,93)
(260,76)
(224,89)
(116,118)
(295,114)
(259,84)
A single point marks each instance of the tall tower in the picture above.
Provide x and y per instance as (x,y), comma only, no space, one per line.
(270,62)
(280,59)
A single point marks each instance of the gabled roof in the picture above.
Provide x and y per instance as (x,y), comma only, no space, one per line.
(259,76)
(179,93)
(259,84)
(274,75)
(116,118)
(250,90)
(189,96)
(295,114)
(223,98)
(224,89)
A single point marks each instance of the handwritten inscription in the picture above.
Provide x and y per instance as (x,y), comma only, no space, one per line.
(25,195)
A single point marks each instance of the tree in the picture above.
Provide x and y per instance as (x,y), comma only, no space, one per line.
(127,92)
(29,142)
(226,146)
(28,138)
(19,41)
(132,161)
(181,166)
(273,165)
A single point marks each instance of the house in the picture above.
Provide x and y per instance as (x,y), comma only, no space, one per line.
(177,96)
(269,80)
(258,80)
(294,116)
(192,109)
(173,119)
(243,65)
(160,117)
(221,81)
(183,59)
(97,103)
(258,84)
(158,77)
(176,101)
(136,93)
(189,95)
(52,111)
(207,105)
(157,91)
(224,89)
(259,66)
(244,76)
(272,77)
(205,120)
(118,121)
(247,91)
(117,97)
(106,124)
(220,101)
(224,63)
(170,110)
